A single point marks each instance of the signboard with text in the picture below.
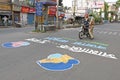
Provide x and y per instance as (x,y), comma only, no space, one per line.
(16,8)
(32,10)
(25,9)
(39,6)
(52,10)
(6,1)
(98,4)
(5,7)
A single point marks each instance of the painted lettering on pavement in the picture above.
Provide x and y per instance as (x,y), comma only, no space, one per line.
(89,51)
(89,45)
(57,39)
(75,48)
(77,43)
(37,40)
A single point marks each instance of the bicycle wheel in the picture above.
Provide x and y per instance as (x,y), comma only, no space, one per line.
(81,34)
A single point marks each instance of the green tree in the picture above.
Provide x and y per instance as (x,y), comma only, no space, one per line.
(118,3)
(60,3)
(96,17)
(106,10)
(66,8)
(30,3)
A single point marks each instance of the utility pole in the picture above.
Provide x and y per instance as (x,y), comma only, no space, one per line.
(57,19)
(74,7)
(12,13)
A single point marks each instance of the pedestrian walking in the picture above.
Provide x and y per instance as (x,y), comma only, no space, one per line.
(91,27)
(5,20)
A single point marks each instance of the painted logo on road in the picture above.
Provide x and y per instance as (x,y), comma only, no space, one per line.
(58,62)
(77,46)
(15,44)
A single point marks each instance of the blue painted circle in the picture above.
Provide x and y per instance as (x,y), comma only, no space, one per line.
(15,44)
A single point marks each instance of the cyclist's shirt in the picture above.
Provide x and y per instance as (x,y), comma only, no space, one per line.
(86,23)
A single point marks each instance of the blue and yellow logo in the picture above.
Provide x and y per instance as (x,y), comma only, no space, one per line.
(15,44)
(58,62)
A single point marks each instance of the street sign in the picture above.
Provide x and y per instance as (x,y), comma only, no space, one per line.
(39,6)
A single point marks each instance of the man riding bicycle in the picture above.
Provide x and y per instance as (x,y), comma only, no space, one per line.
(86,23)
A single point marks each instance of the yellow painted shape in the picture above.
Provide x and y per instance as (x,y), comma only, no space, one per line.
(63,58)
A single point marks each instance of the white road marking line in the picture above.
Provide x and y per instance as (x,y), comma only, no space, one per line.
(110,33)
(100,32)
(105,32)
(115,33)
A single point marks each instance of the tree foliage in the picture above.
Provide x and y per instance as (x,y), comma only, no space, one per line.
(66,8)
(117,5)
(106,10)
(60,3)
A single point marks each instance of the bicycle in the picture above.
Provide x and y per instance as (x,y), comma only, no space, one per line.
(84,32)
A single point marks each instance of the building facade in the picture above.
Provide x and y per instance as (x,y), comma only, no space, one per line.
(23,11)
(16,10)
(5,11)
(86,6)
(112,12)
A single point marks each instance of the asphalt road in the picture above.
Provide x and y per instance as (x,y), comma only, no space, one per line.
(66,57)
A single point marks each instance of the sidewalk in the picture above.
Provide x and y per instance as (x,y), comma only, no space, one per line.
(63,26)
(70,26)
(6,26)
